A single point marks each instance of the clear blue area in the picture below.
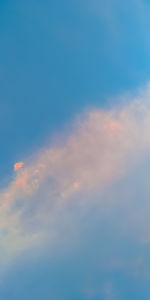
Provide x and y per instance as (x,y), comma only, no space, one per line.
(59,57)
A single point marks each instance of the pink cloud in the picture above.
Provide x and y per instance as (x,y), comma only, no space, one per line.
(104,145)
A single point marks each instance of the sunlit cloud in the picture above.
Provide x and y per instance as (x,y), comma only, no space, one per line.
(18,166)
(101,147)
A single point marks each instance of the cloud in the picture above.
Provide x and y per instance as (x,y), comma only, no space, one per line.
(18,166)
(101,146)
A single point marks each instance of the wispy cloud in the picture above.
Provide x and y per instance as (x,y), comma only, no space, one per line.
(101,146)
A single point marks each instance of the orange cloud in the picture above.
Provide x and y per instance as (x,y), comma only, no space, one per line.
(114,125)
(18,166)
(76,185)
(21,181)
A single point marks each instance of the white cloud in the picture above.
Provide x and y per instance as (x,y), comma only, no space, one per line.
(101,147)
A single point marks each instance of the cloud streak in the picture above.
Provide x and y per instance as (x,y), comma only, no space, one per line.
(101,146)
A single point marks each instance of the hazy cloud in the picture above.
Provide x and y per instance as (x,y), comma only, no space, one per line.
(101,146)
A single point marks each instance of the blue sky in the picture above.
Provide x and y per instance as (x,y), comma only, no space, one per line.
(79,228)
(61,56)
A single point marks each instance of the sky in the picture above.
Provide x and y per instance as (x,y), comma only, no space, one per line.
(75,150)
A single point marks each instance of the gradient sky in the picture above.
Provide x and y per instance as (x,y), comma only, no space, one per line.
(75,109)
